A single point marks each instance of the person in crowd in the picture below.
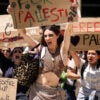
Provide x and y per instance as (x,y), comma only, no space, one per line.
(16,57)
(46,86)
(90,72)
(70,85)
(9,67)
(22,69)
(52,65)
(6,51)
(4,63)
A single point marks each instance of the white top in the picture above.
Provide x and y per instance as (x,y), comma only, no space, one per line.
(91,78)
(1,72)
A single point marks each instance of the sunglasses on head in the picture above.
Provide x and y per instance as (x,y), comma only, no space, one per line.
(49,35)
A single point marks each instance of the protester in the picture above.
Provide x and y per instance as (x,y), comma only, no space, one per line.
(15,67)
(6,51)
(70,85)
(4,63)
(17,59)
(52,63)
(46,86)
(90,72)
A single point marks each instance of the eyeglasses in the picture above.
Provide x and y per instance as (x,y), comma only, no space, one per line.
(49,35)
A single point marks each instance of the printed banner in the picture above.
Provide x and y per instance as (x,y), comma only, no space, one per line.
(8,89)
(28,13)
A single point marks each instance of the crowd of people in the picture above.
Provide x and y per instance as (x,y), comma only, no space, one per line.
(49,70)
(53,60)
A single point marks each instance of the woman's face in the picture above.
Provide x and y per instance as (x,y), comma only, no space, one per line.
(50,38)
(6,52)
(92,57)
(16,57)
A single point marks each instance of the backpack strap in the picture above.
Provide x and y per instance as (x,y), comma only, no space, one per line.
(75,80)
(83,69)
(41,55)
(42,52)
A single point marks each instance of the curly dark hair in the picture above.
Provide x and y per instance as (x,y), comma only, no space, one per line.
(56,30)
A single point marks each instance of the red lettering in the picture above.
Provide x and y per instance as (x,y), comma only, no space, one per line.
(75,27)
(20,13)
(66,12)
(83,27)
(55,14)
(97,26)
(71,1)
(90,26)
(28,17)
(60,12)
(45,12)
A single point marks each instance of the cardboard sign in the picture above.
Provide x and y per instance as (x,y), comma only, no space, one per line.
(86,27)
(6,23)
(85,41)
(8,89)
(28,13)
(15,39)
(89,19)
(12,40)
(86,34)
(10,37)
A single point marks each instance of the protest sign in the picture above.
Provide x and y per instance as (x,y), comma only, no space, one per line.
(86,27)
(16,40)
(28,13)
(85,34)
(8,89)
(10,37)
(85,41)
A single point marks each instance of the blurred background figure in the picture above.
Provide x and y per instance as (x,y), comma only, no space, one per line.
(6,51)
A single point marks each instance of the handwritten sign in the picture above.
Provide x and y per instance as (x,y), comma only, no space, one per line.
(15,39)
(86,34)
(10,37)
(86,27)
(8,89)
(28,13)
(7,23)
(12,40)
(85,41)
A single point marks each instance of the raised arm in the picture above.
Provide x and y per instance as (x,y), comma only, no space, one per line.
(28,39)
(76,58)
(66,44)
